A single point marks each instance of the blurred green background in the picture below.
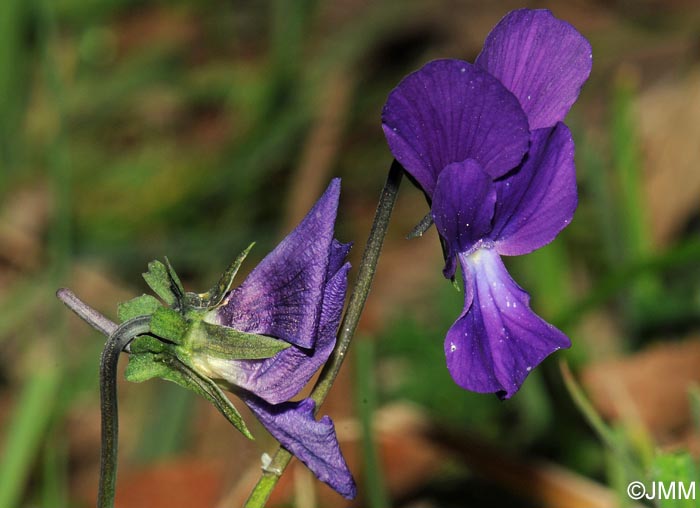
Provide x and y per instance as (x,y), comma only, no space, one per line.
(130,130)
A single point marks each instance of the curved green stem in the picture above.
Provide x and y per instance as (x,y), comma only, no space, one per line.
(116,343)
(368,265)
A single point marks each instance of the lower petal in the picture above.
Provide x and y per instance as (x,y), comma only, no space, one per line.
(498,339)
(313,442)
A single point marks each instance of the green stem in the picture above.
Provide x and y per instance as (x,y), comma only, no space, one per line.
(607,435)
(366,404)
(281,458)
(116,343)
(31,417)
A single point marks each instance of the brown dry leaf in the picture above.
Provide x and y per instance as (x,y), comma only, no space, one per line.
(547,485)
(668,128)
(181,483)
(408,455)
(650,387)
(601,334)
(23,221)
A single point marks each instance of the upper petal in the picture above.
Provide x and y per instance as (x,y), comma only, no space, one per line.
(537,201)
(282,296)
(497,340)
(449,111)
(313,442)
(543,60)
(462,208)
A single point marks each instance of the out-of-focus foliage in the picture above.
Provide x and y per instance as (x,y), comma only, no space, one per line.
(130,130)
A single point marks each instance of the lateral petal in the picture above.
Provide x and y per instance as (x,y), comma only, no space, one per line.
(538,200)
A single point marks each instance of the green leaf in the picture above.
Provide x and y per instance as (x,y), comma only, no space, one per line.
(678,471)
(140,306)
(168,324)
(216,294)
(159,281)
(144,366)
(229,344)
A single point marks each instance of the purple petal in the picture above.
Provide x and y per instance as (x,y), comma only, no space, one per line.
(539,199)
(544,61)
(282,296)
(498,340)
(281,377)
(313,442)
(450,111)
(463,206)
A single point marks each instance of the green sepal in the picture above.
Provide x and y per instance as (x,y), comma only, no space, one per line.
(146,344)
(144,366)
(159,281)
(216,294)
(168,324)
(175,284)
(140,306)
(228,344)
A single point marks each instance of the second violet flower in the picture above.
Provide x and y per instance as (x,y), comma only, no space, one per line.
(262,340)
(486,143)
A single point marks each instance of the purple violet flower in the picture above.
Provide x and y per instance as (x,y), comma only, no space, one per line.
(296,294)
(262,340)
(486,143)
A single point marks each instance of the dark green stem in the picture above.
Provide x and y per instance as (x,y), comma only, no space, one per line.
(116,343)
(280,460)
